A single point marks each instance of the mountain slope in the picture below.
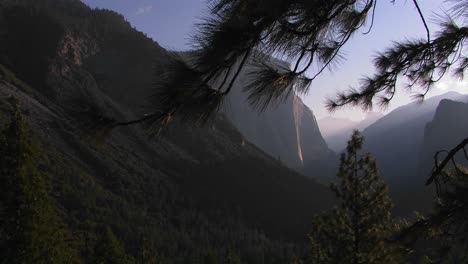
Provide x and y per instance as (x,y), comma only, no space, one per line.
(396,141)
(398,136)
(447,129)
(288,132)
(193,191)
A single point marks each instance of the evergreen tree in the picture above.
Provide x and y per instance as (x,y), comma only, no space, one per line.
(232,257)
(445,229)
(109,249)
(31,229)
(211,258)
(148,253)
(357,230)
(296,260)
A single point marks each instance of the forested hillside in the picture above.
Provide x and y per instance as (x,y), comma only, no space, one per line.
(191,194)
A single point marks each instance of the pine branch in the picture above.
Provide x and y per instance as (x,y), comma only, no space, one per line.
(143,119)
(421,63)
(241,66)
(428,33)
(438,168)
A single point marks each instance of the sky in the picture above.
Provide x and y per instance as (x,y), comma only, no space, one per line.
(171,23)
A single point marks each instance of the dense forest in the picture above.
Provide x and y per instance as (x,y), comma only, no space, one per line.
(79,185)
(124,199)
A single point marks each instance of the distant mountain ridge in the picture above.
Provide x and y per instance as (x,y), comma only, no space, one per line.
(397,141)
(404,142)
(405,126)
(447,129)
(337,131)
(330,126)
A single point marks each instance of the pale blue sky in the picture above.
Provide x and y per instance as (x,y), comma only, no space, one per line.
(170,23)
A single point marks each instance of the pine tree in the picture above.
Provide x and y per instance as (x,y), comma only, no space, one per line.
(356,231)
(232,257)
(109,249)
(148,253)
(32,230)
(446,228)
(296,260)
(211,257)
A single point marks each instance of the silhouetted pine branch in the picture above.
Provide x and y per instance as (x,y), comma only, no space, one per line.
(450,157)
(310,33)
(420,63)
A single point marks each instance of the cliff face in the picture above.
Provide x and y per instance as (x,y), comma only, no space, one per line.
(404,125)
(288,132)
(96,64)
(448,128)
(111,62)
(397,141)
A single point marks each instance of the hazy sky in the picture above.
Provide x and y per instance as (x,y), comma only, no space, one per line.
(170,23)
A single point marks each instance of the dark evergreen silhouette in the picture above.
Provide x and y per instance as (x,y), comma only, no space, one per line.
(232,257)
(359,229)
(31,230)
(444,232)
(109,249)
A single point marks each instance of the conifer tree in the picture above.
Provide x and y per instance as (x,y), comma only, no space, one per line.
(296,260)
(446,227)
(356,231)
(109,249)
(148,253)
(31,228)
(232,257)
(211,257)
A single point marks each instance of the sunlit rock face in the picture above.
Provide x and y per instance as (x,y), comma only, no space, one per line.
(287,131)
